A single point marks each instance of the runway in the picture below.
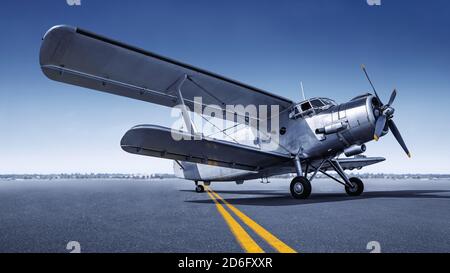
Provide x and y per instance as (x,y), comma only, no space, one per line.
(169,216)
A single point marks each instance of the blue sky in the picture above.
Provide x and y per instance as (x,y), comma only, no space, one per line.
(52,127)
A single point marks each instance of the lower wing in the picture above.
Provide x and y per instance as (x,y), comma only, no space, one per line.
(158,141)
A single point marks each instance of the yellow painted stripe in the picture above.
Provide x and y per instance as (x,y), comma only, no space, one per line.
(276,243)
(243,238)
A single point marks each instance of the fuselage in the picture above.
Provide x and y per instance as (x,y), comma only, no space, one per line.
(314,129)
(329,129)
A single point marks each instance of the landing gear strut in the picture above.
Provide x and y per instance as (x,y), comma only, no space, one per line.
(300,185)
(353,185)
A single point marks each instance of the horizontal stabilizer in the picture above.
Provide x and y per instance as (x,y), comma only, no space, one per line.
(158,141)
(358,162)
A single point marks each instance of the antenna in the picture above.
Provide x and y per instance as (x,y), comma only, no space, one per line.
(303,91)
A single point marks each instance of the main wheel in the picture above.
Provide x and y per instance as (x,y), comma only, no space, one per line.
(358,187)
(199,188)
(300,187)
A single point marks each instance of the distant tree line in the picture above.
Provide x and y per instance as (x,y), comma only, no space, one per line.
(168,176)
(84,176)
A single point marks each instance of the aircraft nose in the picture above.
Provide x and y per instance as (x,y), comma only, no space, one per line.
(373,109)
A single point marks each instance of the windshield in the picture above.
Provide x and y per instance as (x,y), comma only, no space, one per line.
(317,103)
(311,107)
(328,101)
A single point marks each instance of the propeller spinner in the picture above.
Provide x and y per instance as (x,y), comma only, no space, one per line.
(385,116)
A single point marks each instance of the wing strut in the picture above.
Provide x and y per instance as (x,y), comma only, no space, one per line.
(179,164)
(190,126)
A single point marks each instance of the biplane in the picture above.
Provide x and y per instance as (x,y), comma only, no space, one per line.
(316,135)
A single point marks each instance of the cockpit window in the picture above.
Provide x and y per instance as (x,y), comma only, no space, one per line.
(305,106)
(328,101)
(311,107)
(317,103)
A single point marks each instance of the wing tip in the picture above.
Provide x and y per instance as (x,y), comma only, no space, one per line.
(50,42)
(57,28)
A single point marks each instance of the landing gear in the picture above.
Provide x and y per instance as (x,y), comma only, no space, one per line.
(358,187)
(301,184)
(199,188)
(300,187)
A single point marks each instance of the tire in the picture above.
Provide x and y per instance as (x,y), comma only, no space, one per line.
(300,187)
(358,187)
(200,188)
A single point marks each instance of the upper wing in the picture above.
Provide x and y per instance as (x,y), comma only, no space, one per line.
(153,140)
(82,58)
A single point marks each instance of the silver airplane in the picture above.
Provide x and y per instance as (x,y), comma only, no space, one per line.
(312,135)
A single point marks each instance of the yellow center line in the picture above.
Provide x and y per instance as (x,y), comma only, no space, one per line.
(276,243)
(243,238)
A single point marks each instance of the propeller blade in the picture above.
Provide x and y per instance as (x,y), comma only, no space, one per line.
(379,126)
(371,84)
(392,98)
(398,136)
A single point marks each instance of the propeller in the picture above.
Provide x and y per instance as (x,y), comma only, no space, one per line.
(371,84)
(384,114)
(392,98)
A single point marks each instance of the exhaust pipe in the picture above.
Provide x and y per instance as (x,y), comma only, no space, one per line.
(333,128)
(354,150)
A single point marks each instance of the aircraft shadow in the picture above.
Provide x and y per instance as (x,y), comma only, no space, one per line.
(274,198)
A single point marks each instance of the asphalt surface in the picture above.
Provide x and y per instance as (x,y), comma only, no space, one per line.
(169,216)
